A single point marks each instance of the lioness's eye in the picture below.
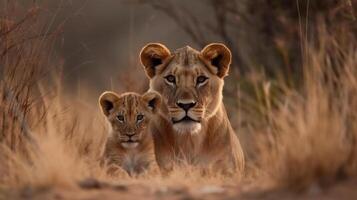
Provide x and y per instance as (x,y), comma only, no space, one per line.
(120,118)
(201,79)
(139,118)
(170,79)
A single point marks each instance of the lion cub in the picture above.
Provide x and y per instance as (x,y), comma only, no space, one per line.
(129,144)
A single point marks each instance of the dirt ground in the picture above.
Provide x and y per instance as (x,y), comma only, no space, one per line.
(94,190)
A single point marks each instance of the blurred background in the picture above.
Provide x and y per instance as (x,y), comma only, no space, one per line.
(101,41)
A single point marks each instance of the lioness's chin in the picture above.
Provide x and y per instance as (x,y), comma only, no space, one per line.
(129,145)
(187,127)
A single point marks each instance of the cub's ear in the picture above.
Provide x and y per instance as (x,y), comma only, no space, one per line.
(106,102)
(218,58)
(152,100)
(152,56)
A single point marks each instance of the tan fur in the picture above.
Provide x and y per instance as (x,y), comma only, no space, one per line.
(134,158)
(202,135)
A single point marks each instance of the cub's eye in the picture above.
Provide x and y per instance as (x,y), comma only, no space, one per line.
(120,118)
(170,79)
(139,118)
(201,79)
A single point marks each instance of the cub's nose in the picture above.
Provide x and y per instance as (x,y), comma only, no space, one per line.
(186,105)
(129,134)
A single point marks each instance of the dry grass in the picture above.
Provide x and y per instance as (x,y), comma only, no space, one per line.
(310,132)
(303,135)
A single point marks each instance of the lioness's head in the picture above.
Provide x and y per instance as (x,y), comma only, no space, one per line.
(190,81)
(129,115)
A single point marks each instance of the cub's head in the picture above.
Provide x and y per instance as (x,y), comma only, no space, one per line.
(190,81)
(129,115)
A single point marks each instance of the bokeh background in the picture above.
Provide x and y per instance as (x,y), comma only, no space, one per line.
(101,40)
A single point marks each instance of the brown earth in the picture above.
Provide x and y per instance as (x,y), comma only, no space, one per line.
(94,190)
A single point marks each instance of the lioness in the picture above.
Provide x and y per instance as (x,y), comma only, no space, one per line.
(129,144)
(191,84)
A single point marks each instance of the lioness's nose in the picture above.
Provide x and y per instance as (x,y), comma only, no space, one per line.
(186,105)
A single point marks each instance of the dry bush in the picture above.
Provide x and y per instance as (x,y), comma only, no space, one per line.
(44,138)
(310,133)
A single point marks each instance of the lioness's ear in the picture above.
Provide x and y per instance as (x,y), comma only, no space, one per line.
(152,56)
(152,100)
(218,58)
(106,102)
